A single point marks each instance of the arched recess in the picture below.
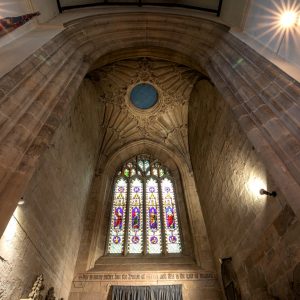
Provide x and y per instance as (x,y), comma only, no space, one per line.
(45,84)
(188,199)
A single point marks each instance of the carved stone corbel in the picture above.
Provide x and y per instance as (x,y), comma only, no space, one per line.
(37,287)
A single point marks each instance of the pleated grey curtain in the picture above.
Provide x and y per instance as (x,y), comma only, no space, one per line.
(155,292)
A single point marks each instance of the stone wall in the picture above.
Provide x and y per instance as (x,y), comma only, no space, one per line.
(195,284)
(260,233)
(165,139)
(264,99)
(165,124)
(43,235)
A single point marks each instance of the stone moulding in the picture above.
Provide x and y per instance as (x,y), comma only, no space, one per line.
(206,279)
(179,167)
(36,94)
(37,287)
(165,122)
(141,276)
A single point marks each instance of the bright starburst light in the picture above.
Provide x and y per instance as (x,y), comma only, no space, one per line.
(279,23)
(288,19)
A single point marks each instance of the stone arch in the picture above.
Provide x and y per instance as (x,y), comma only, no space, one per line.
(188,196)
(46,82)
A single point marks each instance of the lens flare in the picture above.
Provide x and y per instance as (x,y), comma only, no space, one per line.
(288,19)
(276,24)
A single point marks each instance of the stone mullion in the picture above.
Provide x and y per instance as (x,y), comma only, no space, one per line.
(162,220)
(144,216)
(127,217)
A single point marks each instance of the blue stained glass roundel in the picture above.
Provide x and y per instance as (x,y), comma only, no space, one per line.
(143,96)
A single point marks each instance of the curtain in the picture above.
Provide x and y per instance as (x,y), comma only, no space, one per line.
(155,292)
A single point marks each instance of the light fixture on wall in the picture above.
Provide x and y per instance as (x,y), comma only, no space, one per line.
(255,183)
(223,259)
(21,201)
(258,186)
(264,192)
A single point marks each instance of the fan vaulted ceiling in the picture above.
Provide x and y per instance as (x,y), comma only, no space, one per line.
(165,122)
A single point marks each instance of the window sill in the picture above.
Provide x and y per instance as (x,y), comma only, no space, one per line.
(145,262)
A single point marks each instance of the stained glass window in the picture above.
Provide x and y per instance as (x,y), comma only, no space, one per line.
(146,164)
(153,217)
(135,230)
(161,172)
(117,224)
(172,235)
(144,214)
(155,172)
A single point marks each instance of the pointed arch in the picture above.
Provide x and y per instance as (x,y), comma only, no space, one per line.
(144,216)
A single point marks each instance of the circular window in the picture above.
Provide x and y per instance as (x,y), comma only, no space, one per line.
(144,96)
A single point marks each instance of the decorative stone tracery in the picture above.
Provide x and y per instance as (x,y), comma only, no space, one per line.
(165,123)
(37,288)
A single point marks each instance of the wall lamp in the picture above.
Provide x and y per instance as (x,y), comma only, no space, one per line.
(264,192)
(224,259)
(21,201)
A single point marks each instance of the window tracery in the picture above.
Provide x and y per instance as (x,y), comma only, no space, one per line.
(144,216)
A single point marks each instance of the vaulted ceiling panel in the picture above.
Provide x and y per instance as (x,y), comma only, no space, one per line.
(165,122)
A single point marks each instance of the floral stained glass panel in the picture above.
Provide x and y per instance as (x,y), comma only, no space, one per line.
(135,230)
(153,217)
(118,217)
(172,235)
